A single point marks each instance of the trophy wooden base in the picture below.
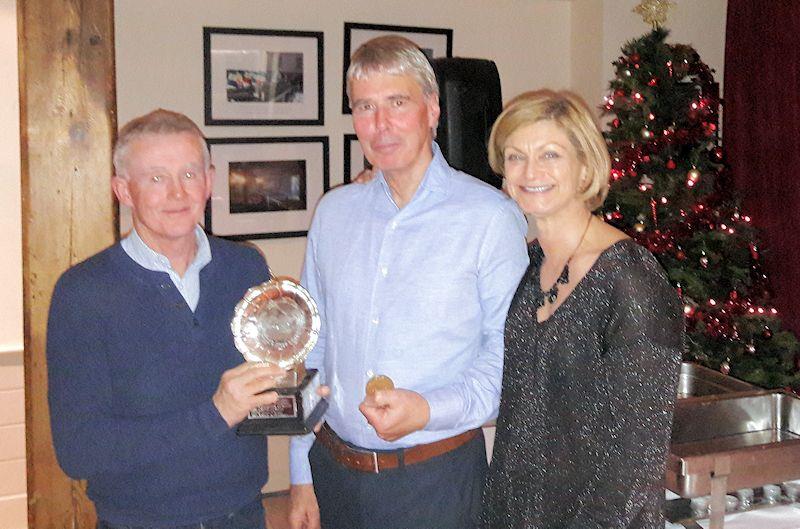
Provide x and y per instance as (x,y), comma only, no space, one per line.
(298,409)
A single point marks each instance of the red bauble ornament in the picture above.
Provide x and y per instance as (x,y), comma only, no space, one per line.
(615,123)
(635,57)
(646,158)
(680,255)
(652,82)
(671,164)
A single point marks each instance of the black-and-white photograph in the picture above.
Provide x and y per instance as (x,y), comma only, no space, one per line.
(266,187)
(263,77)
(261,186)
(281,80)
(434,42)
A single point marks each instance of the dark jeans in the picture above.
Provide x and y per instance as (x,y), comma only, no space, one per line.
(251,516)
(441,493)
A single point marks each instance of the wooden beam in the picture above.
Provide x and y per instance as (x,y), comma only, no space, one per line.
(67,122)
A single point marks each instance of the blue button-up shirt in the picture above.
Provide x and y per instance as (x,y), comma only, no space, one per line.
(188,284)
(419,294)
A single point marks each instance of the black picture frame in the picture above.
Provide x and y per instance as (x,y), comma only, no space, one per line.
(263,77)
(354,159)
(266,188)
(437,41)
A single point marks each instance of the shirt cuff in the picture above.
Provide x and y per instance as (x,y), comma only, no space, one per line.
(299,467)
(444,405)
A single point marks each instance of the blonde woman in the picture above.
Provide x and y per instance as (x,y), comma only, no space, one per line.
(593,339)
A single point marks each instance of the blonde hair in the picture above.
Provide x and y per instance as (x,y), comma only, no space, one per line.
(157,122)
(570,112)
(393,55)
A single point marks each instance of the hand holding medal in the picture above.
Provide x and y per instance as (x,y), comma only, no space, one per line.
(393,412)
(378,383)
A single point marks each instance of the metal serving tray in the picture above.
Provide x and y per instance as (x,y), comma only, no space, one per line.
(731,441)
(751,438)
(698,381)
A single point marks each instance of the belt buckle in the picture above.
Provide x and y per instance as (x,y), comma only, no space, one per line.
(375,463)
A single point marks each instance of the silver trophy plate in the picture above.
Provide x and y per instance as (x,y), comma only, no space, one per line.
(276,322)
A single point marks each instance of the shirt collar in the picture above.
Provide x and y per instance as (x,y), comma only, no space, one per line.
(150,259)
(437,175)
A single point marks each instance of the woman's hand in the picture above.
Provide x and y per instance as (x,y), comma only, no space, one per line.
(365,176)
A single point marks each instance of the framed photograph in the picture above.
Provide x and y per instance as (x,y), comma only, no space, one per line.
(434,42)
(262,77)
(266,188)
(354,159)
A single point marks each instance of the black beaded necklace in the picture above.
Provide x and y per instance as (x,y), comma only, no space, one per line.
(541,297)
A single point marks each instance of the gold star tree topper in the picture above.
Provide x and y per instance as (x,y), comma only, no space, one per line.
(654,12)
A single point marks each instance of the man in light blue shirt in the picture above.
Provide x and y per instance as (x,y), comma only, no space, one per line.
(413,273)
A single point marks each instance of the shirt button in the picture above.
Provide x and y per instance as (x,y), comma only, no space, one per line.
(384,271)
(394,224)
(376,320)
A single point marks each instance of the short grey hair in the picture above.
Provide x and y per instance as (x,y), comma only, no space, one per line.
(394,55)
(157,122)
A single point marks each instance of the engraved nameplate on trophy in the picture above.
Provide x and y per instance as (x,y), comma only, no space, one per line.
(278,323)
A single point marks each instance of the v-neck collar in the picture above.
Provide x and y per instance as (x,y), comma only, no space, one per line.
(537,255)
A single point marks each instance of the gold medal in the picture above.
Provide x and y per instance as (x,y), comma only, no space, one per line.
(378,382)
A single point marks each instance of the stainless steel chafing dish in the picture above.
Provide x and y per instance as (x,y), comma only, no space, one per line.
(724,438)
(698,381)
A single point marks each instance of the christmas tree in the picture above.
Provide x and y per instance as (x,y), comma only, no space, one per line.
(669,192)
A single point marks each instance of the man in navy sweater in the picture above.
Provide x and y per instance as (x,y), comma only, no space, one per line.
(145,384)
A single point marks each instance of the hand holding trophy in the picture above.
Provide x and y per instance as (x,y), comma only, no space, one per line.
(278,323)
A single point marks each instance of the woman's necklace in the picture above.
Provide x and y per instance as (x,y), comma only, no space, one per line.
(541,297)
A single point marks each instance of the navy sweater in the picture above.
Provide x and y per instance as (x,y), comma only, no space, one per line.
(131,375)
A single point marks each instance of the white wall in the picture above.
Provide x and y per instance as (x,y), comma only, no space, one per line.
(13,502)
(10,220)
(586,38)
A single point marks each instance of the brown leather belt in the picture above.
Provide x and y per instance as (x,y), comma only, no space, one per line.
(369,461)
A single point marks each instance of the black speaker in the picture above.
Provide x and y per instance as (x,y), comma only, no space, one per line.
(470,101)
